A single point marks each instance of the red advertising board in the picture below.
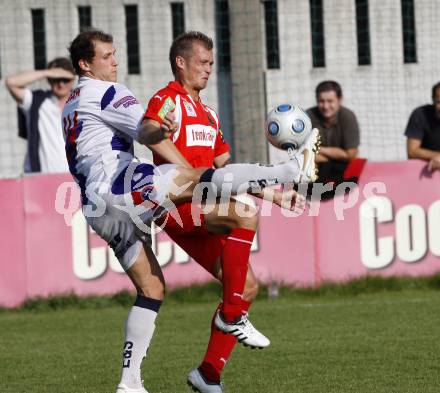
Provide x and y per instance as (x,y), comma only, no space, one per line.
(388,225)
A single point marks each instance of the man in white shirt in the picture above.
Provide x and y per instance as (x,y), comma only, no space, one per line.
(40,112)
(101,119)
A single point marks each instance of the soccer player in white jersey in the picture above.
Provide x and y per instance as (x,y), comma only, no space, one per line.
(101,119)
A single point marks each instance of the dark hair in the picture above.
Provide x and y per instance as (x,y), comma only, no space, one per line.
(182,46)
(434,90)
(83,47)
(61,62)
(328,86)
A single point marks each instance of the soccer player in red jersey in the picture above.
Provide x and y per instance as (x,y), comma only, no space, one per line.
(220,239)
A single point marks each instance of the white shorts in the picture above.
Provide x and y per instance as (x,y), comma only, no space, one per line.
(121,212)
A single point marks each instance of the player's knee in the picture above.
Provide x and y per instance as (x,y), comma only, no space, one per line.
(248,220)
(154,291)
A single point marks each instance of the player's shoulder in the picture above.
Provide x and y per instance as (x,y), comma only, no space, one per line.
(211,110)
(104,92)
(164,93)
(98,87)
(92,90)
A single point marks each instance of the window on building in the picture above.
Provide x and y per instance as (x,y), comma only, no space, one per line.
(178,18)
(272,44)
(317,26)
(85,17)
(132,35)
(409,32)
(363,32)
(222,35)
(39,37)
(223,68)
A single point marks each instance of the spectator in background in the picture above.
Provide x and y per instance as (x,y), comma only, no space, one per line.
(39,114)
(423,132)
(337,125)
(339,131)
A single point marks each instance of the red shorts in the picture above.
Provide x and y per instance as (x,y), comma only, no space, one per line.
(204,247)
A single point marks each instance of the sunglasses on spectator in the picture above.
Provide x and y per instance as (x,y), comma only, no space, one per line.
(59,80)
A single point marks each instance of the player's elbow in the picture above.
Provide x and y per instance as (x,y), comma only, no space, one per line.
(148,135)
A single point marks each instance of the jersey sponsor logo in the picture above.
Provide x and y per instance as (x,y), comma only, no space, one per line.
(190,111)
(200,135)
(160,97)
(167,106)
(125,102)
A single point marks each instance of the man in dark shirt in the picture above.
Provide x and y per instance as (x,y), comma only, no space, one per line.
(339,131)
(423,132)
(338,125)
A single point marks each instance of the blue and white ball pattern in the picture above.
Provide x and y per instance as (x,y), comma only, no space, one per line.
(287,126)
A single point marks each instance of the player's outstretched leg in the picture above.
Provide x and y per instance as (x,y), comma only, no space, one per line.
(239,178)
(300,169)
(139,328)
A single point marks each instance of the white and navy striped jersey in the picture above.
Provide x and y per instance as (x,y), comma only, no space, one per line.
(100,121)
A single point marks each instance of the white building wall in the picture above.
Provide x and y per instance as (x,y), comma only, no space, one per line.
(62,25)
(382,95)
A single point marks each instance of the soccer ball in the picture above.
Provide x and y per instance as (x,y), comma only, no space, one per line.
(287,126)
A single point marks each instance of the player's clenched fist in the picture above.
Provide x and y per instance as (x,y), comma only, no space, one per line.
(152,132)
(169,126)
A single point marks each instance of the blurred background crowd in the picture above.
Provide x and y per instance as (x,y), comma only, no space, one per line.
(365,70)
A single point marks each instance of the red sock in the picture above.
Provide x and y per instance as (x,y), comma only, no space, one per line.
(234,269)
(219,349)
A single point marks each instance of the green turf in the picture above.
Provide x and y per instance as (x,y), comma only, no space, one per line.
(377,342)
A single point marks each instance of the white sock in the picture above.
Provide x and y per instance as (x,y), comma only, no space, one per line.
(241,177)
(139,329)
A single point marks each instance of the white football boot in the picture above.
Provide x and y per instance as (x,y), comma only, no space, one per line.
(198,383)
(125,389)
(305,156)
(243,330)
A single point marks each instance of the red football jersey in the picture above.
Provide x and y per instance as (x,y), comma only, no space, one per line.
(199,137)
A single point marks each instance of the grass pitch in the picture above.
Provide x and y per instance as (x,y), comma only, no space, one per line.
(377,342)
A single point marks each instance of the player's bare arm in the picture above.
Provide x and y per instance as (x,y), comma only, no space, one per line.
(287,199)
(152,133)
(222,160)
(16,84)
(156,137)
